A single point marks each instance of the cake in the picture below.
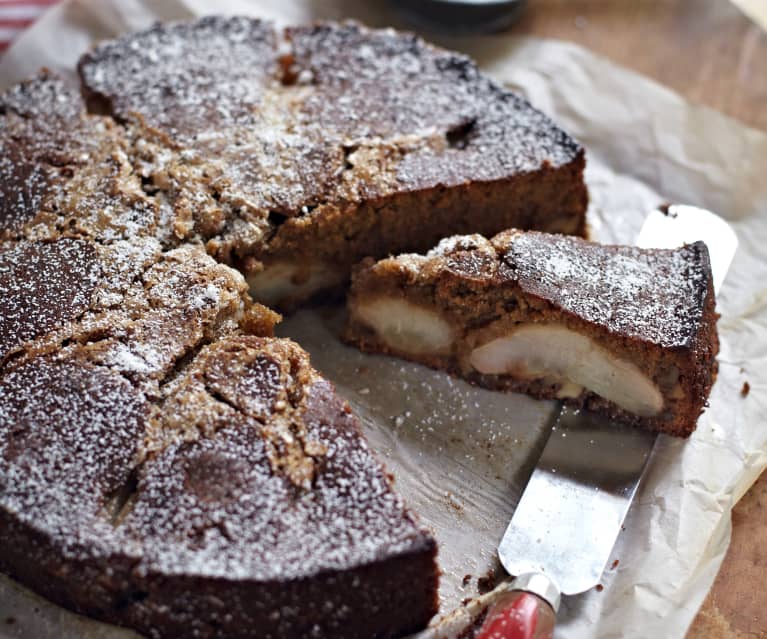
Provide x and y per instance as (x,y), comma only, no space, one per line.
(294,155)
(166,463)
(623,331)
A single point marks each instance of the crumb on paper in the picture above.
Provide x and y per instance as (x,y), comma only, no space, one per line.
(745,390)
(466,579)
(615,564)
(600,587)
(453,502)
(486,582)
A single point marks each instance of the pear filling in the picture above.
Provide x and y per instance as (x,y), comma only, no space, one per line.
(281,281)
(573,360)
(407,327)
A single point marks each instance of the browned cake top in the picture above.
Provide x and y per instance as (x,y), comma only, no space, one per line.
(129,306)
(654,295)
(268,476)
(69,436)
(66,173)
(247,126)
(43,286)
(186,78)
(252,468)
(470,128)
(40,137)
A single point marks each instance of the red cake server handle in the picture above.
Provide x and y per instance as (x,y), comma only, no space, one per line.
(525,611)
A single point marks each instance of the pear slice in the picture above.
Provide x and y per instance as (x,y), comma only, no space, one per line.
(555,352)
(407,327)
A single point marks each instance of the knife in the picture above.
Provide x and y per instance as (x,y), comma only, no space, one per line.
(571,512)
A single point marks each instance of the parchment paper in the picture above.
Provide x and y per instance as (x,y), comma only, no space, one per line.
(461,455)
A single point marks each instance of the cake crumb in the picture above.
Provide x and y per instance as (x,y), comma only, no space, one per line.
(453,502)
(615,564)
(600,587)
(466,579)
(745,390)
(486,582)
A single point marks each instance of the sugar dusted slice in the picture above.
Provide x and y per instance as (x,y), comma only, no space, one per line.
(624,331)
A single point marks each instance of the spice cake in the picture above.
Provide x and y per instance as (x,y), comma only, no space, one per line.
(294,155)
(624,331)
(166,463)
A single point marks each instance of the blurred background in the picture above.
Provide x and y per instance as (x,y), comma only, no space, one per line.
(713,52)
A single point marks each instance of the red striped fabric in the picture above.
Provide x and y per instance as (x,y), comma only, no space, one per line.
(17,15)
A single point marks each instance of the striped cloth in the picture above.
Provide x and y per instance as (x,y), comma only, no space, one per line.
(17,15)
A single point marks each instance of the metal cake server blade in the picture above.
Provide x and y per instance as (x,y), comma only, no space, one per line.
(571,512)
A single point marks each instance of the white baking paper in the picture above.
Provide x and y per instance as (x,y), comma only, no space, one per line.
(461,455)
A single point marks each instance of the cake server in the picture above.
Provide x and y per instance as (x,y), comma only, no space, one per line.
(571,512)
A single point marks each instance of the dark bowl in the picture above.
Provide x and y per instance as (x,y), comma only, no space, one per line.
(461,16)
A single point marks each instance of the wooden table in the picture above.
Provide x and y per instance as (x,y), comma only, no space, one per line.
(712,54)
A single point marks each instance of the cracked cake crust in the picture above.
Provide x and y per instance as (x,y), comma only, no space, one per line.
(258,143)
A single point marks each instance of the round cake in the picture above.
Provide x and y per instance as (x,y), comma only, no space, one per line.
(167,464)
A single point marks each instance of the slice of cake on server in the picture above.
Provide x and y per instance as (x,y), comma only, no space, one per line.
(627,332)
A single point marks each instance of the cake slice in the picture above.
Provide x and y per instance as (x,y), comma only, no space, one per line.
(294,154)
(624,331)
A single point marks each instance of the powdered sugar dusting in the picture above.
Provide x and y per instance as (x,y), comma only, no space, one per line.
(64,172)
(43,286)
(186,78)
(244,131)
(214,507)
(69,435)
(658,296)
(653,295)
